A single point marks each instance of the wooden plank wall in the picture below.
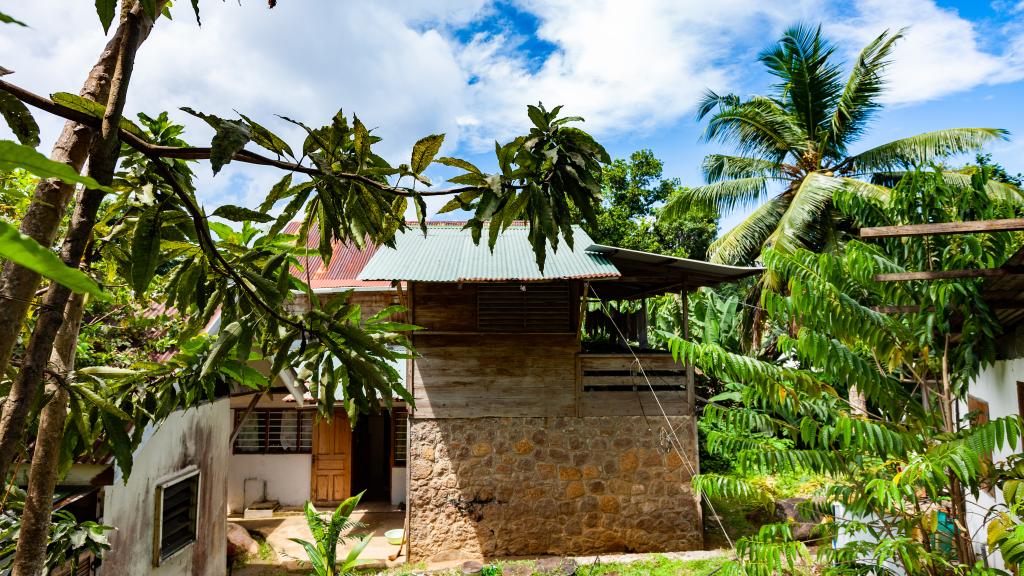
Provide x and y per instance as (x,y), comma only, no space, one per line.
(464,373)
(611,385)
(480,375)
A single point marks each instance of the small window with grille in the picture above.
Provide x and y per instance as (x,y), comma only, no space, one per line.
(177,509)
(399,435)
(537,308)
(274,431)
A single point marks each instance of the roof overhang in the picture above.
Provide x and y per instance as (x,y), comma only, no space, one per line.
(648,274)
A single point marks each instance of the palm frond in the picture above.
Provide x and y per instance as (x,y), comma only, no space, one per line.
(998,191)
(718,167)
(924,148)
(802,224)
(758,127)
(864,189)
(743,243)
(809,80)
(860,96)
(724,195)
(711,100)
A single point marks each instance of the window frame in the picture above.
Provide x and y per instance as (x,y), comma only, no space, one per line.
(303,416)
(399,413)
(525,308)
(183,475)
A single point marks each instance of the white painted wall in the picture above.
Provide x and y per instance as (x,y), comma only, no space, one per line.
(287,478)
(996,385)
(197,437)
(398,485)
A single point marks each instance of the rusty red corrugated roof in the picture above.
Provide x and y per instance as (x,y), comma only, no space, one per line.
(346,262)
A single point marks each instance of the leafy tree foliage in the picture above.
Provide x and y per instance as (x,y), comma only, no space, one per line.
(798,138)
(143,229)
(631,215)
(893,465)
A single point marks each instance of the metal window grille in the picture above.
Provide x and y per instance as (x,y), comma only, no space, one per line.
(275,431)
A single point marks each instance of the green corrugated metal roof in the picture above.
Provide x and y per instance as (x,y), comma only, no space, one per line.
(447,254)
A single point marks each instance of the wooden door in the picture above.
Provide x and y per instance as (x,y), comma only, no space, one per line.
(332,459)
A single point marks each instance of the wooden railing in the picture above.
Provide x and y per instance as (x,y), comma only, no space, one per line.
(614,385)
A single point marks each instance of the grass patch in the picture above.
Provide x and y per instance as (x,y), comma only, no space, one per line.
(654,566)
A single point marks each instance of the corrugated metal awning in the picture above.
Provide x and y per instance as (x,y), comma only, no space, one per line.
(447,254)
(699,270)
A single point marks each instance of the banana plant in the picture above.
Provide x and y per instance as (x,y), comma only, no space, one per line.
(327,534)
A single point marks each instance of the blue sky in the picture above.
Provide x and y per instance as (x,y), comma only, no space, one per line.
(634,69)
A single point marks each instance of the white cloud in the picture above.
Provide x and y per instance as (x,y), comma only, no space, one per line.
(628,67)
(624,66)
(942,53)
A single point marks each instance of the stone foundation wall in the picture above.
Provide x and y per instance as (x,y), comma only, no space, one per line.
(493,487)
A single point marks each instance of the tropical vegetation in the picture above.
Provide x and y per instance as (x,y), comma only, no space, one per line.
(328,533)
(631,214)
(136,225)
(899,464)
(794,148)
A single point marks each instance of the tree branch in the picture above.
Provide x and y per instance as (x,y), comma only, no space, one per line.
(203,153)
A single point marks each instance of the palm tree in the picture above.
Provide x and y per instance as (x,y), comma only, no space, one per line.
(798,137)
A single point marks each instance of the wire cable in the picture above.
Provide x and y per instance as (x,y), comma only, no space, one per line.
(673,437)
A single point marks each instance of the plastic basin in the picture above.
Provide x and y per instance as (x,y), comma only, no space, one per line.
(394,536)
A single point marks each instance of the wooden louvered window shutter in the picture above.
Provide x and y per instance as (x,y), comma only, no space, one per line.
(536,308)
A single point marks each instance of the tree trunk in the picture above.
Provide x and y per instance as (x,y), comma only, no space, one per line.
(103,155)
(44,214)
(958,500)
(858,402)
(30,557)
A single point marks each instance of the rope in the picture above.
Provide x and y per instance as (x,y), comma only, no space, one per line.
(673,437)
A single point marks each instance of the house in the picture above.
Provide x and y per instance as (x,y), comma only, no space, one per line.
(523,439)
(169,515)
(998,391)
(281,454)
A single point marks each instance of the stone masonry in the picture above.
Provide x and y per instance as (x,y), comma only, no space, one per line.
(495,487)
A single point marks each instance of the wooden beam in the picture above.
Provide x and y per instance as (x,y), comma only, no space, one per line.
(1005,225)
(950,274)
(992,304)
(691,389)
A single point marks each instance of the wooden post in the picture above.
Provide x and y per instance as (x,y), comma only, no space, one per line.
(691,392)
(641,333)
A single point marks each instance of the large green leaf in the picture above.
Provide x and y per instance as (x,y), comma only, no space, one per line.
(226,340)
(265,138)
(9,20)
(26,252)
(423,152)
(19,119)
(105,10)
(96,110)
(14,156)
(230,138)
(145,249)
(240,214)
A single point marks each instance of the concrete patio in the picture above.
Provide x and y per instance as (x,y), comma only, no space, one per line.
(378,518)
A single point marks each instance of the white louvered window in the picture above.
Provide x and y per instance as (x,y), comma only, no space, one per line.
(399,436)
(539,308)
(275,431)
